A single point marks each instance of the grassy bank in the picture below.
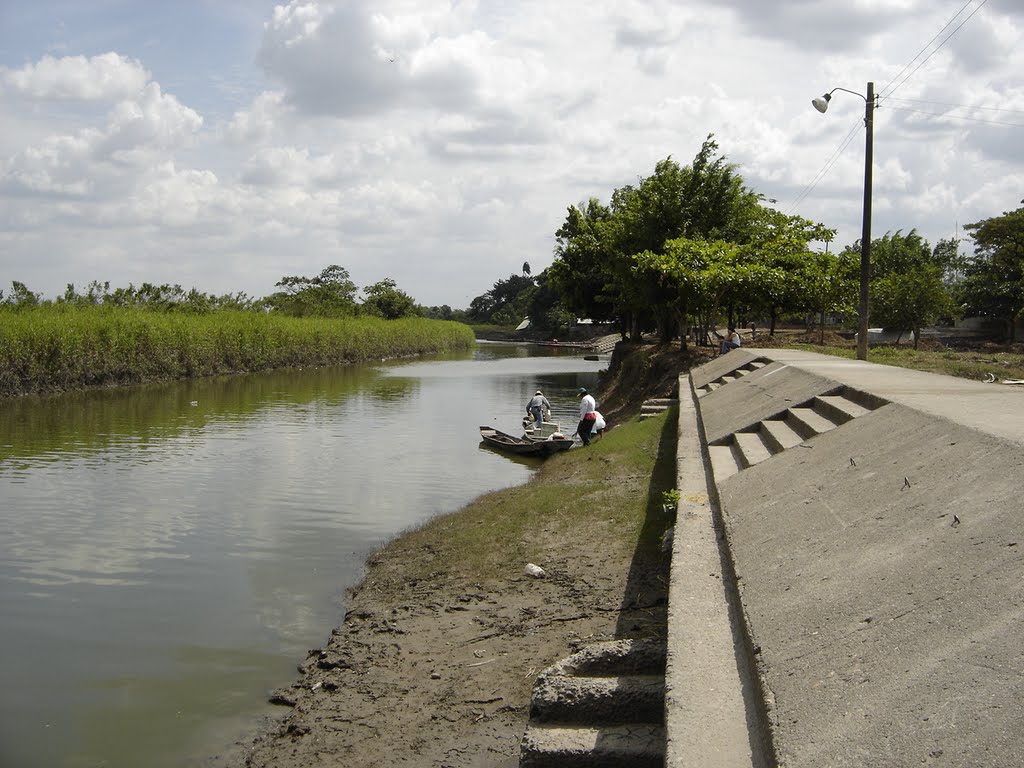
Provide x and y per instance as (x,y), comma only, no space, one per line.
(56,348)
(611,489)
(977,364)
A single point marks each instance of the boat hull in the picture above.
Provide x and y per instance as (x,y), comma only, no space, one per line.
(522,446)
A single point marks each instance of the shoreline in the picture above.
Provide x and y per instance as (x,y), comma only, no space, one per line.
(445,634)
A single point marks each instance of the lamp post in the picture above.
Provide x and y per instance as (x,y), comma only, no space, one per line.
(821,104)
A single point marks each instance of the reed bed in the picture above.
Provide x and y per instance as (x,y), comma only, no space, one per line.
(55,347)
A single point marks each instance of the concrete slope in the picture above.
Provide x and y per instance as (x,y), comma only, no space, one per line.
(880,564)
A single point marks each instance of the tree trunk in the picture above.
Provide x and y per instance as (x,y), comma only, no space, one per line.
(821,328)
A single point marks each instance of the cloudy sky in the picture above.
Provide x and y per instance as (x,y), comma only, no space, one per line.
(223,144)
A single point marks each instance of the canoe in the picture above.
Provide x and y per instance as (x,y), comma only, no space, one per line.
(522,446)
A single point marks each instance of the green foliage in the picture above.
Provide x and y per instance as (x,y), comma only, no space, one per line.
(993,284)
(912,300)
(506,303)
(159,298)
(63,346)
(623,260)
(385,299)
(20,297)
(330,294)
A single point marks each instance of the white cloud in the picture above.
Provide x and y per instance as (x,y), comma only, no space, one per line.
(107,77)
(439,142)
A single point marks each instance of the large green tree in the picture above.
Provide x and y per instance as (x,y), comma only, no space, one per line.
(993,284)
(330,294)
(385,299)
(596,260)
(907,288)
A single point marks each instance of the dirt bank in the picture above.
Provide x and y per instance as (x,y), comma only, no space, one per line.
(442,640)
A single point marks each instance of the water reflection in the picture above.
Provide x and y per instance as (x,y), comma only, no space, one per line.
(171,551)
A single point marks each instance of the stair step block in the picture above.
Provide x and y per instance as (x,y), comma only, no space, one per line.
(808,422)
(779,436)
(723,461)
(752,448)
(838,408)
(596,700)
(642,746)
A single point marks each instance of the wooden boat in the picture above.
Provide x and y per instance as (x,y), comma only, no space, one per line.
(523,446)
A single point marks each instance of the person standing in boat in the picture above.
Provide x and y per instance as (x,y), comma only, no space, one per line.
(588,414)
(537,407)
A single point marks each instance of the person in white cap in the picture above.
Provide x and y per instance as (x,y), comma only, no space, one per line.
(536,407)
(588,413)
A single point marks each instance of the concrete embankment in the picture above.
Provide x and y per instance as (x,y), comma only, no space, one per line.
(848,567)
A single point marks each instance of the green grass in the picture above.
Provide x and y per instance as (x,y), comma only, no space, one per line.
(59,347)
(610,492)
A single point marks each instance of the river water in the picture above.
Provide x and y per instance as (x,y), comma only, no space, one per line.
(169,553)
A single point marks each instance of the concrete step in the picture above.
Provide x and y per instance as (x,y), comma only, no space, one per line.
(807,422)
(751,447)
(615,746)
(664,402)
(778,435)
(724,462)
(838,408)
(614,657)
(598,700)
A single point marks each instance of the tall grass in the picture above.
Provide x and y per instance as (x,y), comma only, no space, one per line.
(58,347)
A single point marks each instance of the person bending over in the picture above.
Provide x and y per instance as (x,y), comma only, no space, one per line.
(588,414)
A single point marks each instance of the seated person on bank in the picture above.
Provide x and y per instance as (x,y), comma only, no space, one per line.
(732,340)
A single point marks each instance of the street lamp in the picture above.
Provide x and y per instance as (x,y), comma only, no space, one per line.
(821,104)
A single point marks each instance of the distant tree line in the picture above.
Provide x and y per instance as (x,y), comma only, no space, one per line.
(329,294)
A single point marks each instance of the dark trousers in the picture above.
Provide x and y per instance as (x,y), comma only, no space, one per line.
(584,429)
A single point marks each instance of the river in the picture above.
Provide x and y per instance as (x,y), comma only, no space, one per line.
(170,552)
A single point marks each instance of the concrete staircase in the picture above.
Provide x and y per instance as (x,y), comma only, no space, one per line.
(604,706)
(733,375)
(655,406)
(788,429)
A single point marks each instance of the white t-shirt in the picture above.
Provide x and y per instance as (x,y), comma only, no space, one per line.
(587,405)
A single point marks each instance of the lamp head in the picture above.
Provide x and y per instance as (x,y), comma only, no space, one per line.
(821,103)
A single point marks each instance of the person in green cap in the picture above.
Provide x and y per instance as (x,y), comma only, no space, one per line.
(588,413)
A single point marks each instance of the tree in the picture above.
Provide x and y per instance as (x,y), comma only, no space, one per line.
(912,301)
(994,279)
(828,284)
(386,300)
(581,270)
(21,297)
(330,294)
(907,288)
(505,303)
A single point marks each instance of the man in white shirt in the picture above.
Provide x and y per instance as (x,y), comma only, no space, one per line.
(588,413)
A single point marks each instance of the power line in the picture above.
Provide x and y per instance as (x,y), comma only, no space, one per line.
(825,169)
(955,117)
(955,106)
(888,94)
(926,45)
(937,48)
